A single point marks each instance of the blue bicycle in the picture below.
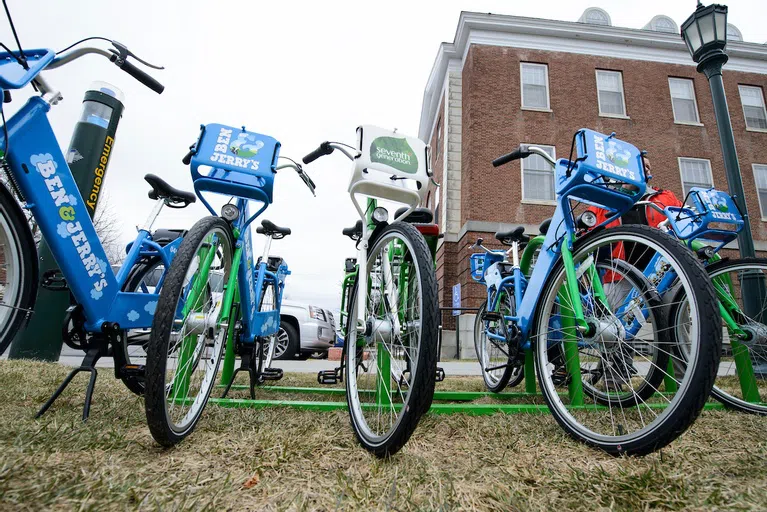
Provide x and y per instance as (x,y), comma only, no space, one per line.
(570,305)
(107,304)
(215,294)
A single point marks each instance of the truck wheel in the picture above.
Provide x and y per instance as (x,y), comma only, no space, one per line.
(287,343)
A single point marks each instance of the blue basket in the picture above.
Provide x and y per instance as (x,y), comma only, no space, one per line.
(714,217)
(480,262)
(477,266)
(240,163)
(607,173)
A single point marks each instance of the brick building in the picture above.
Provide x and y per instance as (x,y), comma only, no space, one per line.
(506,80)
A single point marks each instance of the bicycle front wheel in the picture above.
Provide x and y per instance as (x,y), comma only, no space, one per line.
(623,393)
(18,269)
(493,354)
(391,356)
(188,332)
(741,380)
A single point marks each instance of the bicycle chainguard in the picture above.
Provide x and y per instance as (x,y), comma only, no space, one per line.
(333,376)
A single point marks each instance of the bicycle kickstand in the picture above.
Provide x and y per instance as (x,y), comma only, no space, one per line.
(245,365)
(88,365)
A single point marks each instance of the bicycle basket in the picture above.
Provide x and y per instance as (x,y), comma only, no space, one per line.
(481,261)
(240,163)
(607,172)
(714,216)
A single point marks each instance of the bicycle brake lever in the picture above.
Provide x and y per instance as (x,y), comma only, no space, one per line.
(123,53)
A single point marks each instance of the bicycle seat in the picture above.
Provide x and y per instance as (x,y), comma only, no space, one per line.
(354,232)
(544,227)
(417,216)
(162,190)
(271,229)
(515,235)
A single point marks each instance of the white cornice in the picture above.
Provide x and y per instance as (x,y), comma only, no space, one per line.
(569,37)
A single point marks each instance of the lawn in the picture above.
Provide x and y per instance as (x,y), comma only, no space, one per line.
(284,459)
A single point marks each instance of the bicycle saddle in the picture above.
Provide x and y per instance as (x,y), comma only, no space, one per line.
(515,235)
(417,216)
(270,228)
(354,232)
(544,227)
(162,190)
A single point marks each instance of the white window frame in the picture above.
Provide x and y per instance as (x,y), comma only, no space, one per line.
(756,189)
(623,94)
(694,101)
(743,107)
(522,88)
(522,181)
(681,175)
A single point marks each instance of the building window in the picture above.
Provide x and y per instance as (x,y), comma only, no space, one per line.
(752,100)
(662,23)
(683,100)
(733,34)
(535,85)
(696,172)
(538,177)
(760,177)
(610,93)
(439,129)
(595,16)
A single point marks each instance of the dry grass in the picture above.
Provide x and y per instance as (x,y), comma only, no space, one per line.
(282,459)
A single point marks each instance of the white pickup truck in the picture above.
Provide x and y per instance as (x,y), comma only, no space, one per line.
(304,330)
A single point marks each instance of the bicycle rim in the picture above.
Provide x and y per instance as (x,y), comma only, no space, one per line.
(384,364)
(197,337)
(741,380)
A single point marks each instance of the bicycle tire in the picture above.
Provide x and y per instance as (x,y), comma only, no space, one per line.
(17,237)
(420,387)
(694,387)
(162,427)
(136,276)
(492,384)
(718,392)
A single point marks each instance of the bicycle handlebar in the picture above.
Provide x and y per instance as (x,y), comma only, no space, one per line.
(523,151)
(119,57)
(139,75)
(304,177)
(324,149)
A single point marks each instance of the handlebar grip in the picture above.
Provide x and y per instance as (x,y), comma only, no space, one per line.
(142,77)
(514,155)
(188,158)
(324,149)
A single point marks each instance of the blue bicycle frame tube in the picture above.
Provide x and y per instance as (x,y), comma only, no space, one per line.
(50,192)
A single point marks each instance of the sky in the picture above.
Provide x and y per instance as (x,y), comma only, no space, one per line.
(302,72)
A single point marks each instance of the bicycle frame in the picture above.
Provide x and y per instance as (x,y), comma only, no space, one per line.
(45,181)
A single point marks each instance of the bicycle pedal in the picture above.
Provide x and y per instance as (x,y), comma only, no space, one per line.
(272,373)
(492,316)
(53,280)
(329,376)
(440,374)
(133,370)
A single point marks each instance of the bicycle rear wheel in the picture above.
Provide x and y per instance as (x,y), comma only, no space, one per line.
(143,278)
(624,338)
(188,332)
(18,269)
(391,360)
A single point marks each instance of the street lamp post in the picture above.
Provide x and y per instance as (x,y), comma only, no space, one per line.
(705,33)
